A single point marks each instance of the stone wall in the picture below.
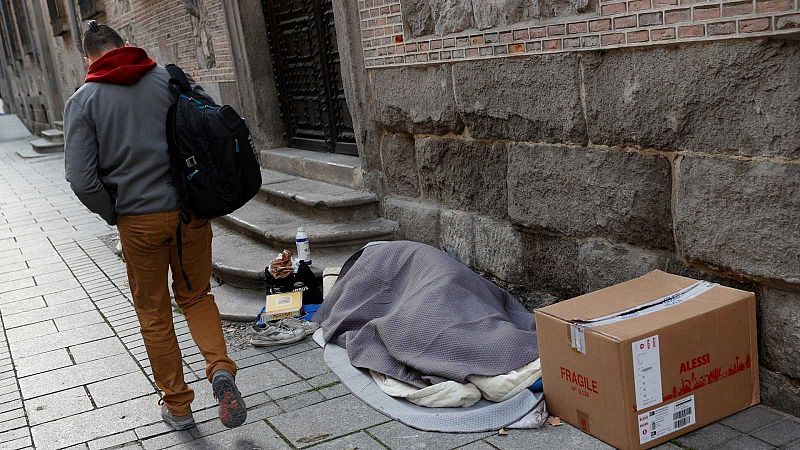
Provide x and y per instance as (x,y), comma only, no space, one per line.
(560,174)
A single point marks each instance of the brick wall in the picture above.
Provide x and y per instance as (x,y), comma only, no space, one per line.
(165,30)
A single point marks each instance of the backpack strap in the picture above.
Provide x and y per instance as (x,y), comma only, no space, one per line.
(178,79)
(183,216)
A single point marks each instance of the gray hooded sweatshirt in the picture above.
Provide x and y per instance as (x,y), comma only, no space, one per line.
(116,152)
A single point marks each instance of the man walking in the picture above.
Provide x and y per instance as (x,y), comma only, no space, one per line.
(117,163)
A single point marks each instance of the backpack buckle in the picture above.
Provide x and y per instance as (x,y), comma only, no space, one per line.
(191,162)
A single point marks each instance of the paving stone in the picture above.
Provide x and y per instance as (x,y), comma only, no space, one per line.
(42,362)
(10,397)
(13,424)
(708,437)
(112,441)
(55,406)
(167,440)
(323,380)
(54,276)
(77,375)
(17,443)
(79,320)
(289,390)
(307,364)
(13,434)
(69,295)
(29,304)
(397,435)
(36,291)
(254,360)
(747,443)
(153,429)
(302,346)
(10,286)
(547,437)
(255,435)
(301,401)
(263,377)
(97,350)
(324,420)
(337,390)
(479,445)
(84,427)
(48,313)
(357,441)
(752,418)
(60,340)
(13,414)
(779,433)
(10,406)
(31,331)
(119,389)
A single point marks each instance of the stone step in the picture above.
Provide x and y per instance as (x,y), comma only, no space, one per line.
(341,170)
(240,261)
(44,146)
(53,135)
(237,304)
(59,124)
(317,199)
(277,227)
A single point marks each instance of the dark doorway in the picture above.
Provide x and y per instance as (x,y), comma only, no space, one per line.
(305,57)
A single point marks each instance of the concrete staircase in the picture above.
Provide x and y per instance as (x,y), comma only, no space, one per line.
(319,191)
(52,141)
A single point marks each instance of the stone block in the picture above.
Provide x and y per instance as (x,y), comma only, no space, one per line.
(551,264)
(494,13)
(307,364)
(42,362)
(324,421)
(531,99)
(397,435)
(254,435)
(464,174)
(780,392)
(740,214)
(580,192)
(418,221)
(431,109)
(752,418)
(63,339)
(399,165)
(602,263)
(425,17)
(780,331)
(549,437)
(664,97)
(76,375)
(359,441)
(498,249)
(457,235)
(779,433)
(711,436)
(119,389)
(58,405)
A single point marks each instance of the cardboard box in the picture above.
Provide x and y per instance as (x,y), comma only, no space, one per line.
(645,361)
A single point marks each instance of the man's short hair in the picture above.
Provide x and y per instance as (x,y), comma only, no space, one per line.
(98,39)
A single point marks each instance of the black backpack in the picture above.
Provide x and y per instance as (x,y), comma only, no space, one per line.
(213,162)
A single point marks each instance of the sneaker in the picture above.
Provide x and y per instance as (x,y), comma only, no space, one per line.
(232,410)
(179,423)
(274,334)
(299,324)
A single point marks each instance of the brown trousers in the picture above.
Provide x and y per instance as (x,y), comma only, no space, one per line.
(150,248)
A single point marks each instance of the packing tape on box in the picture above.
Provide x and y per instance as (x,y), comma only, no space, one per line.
(577,327)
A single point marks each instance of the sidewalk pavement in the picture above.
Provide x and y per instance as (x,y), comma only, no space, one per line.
(74,372)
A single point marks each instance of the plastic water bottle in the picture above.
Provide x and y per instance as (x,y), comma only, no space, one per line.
(303,249)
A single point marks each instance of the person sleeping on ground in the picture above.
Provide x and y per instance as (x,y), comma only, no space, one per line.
(428,328)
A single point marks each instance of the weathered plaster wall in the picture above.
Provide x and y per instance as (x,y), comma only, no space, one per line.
(563,173)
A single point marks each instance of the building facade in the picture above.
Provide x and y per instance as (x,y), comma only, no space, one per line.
(557,146)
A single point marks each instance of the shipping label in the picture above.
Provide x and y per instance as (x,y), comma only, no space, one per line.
(647,372)
(667,419)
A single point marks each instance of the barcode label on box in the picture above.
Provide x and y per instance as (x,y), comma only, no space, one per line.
(647,372)
(666,419)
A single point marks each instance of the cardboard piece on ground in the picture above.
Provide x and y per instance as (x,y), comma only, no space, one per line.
(281,306)
(645,361)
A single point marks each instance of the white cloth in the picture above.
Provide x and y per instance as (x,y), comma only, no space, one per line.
(448,394)
(502,387)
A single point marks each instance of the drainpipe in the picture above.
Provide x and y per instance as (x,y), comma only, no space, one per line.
(75,28)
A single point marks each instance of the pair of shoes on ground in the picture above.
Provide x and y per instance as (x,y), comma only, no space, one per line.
(285,331)
(232,409)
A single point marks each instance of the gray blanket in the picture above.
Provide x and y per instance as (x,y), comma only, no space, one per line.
(413,313)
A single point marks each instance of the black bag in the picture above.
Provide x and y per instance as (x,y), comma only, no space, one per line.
(212,159)
(214,165)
